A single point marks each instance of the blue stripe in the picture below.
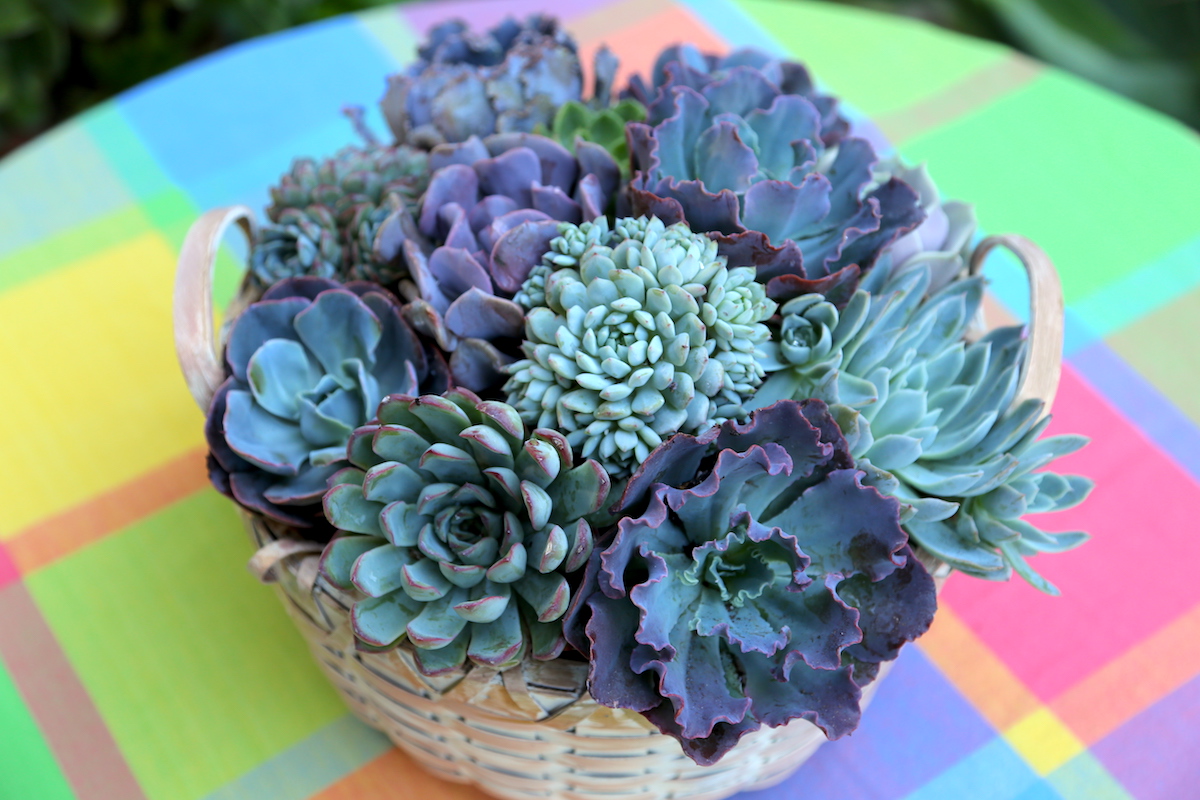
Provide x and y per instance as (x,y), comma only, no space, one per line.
(306,768)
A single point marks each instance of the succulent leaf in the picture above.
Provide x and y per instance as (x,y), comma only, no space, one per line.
(717,606)
(308,364)
(633,334)
(478,553)
(932,412)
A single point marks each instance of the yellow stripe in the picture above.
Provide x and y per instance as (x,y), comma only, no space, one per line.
(91,391)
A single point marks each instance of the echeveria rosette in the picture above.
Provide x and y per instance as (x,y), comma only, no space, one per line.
(308,365)
(298,242)
(686,64)
(634,334)
(511,79)
(460,528)
(491,209)
(325,215)
(718,607)
(734,154)
(931,416)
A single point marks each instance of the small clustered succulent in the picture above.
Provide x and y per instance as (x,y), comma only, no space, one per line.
(635,334)
(325,216)
(679,377)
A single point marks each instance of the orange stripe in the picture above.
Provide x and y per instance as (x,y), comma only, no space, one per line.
(645,27)
(977,90)
(394,774)
(56,537)
(77,734)
(976,671)
(1132,682)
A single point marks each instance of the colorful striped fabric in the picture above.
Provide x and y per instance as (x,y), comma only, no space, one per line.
(138,659)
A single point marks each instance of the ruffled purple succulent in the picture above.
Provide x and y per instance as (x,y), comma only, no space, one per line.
(512,78)
(491,210)
(753,580)
(308,364)
(745,149)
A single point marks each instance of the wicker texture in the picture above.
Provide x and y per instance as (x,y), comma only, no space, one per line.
(532,731)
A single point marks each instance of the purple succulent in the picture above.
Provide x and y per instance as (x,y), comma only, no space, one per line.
(512,78)
(745,149)
(491,210)
(308,364)
(753,580)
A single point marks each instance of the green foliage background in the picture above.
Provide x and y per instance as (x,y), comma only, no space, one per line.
(57,57)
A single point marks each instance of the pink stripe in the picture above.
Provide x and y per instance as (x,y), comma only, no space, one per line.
(1117,589)
(8,569)
(65,713)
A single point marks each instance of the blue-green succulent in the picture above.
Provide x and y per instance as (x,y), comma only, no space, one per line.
(298,242)
(308,364)
(754,579)
(460,528)
(324,216)
(635,333)
(942,242)
(931,415)
(511,79)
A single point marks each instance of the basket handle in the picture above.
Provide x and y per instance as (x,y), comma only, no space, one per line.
(195,339)
(1042,367)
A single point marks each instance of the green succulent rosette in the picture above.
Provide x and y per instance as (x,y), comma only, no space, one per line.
(634,334)
(460,527)
(932,416)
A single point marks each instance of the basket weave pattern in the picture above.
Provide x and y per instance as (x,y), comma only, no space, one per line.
(531,731)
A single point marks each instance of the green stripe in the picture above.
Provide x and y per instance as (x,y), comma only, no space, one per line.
(196,668)
(861,59)
(27,767)
(1069,166)
(333,752)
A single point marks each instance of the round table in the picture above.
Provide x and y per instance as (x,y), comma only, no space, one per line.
(138,659)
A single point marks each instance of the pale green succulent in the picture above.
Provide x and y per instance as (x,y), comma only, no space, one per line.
(931,417)
(635,334)
(460,527)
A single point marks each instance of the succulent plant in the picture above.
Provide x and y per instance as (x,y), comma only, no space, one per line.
(754,580)
(605,126)
(931,416)
(733,153)
(324,216)
(300,242)
(634,334)
(460,529)
(943,241)
(511,79)
(687,62)
(308,364)
(491,209)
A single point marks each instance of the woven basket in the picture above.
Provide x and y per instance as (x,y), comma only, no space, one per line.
(531,731)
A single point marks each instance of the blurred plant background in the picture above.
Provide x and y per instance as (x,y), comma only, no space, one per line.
(57,57)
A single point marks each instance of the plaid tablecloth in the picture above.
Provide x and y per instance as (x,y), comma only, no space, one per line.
(138,659)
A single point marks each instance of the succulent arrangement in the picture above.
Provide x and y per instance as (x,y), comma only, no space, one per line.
(678,377)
